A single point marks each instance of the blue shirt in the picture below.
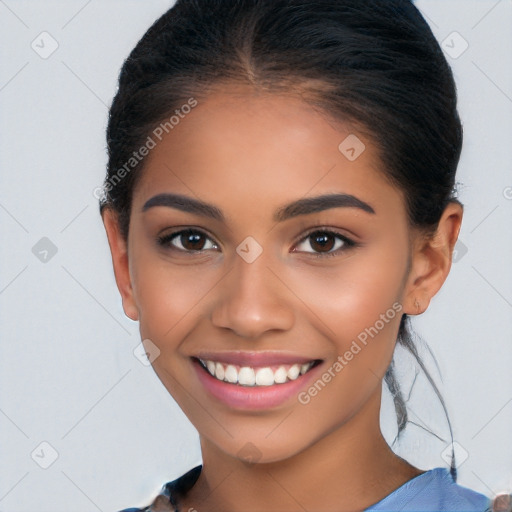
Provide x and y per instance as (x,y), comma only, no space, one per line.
(432,491)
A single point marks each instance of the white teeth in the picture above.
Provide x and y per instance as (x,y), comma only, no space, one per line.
(248,376)
(211,366)
(231,375)
(280,375)
(304,368)
(293,372)
(219,371)
(264,377)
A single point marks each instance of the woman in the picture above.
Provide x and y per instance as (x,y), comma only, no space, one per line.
(279,199)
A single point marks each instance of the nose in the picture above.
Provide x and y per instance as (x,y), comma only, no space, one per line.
(253,300)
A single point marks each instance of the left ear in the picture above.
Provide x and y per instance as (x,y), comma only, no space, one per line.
(431,261)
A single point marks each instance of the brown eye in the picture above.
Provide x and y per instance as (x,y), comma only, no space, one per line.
(324,243)
(188,240)
(192,240)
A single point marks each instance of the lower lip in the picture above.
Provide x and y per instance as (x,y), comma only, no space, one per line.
(253,397)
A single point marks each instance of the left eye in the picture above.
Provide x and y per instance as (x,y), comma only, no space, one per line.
(326,243)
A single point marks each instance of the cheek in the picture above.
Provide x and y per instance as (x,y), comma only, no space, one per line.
(168,295)
(356,297)
(357,308)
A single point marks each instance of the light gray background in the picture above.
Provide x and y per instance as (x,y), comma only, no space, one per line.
(68,374)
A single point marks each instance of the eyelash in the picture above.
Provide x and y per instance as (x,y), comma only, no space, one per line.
(347,242)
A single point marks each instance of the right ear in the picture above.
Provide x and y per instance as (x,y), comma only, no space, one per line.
(119,250)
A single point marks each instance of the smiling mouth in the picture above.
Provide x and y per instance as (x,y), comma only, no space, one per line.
(250,376)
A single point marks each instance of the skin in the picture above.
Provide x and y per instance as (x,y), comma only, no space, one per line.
(250,153)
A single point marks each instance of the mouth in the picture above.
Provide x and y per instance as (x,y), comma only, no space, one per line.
(256,376)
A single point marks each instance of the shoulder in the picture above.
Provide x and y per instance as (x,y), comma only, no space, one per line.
(171,492)
(161,503)
(434,491)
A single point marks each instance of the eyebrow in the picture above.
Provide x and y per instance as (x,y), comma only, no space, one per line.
(303,206)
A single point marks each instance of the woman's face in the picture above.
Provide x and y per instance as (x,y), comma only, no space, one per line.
(252,285)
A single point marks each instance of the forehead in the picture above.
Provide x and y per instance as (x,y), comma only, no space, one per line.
(238,146)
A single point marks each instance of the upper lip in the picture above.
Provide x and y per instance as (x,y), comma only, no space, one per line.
(254,358)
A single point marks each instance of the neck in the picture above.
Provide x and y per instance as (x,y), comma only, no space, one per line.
(350,468)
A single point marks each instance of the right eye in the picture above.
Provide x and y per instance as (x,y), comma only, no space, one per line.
(187,240)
